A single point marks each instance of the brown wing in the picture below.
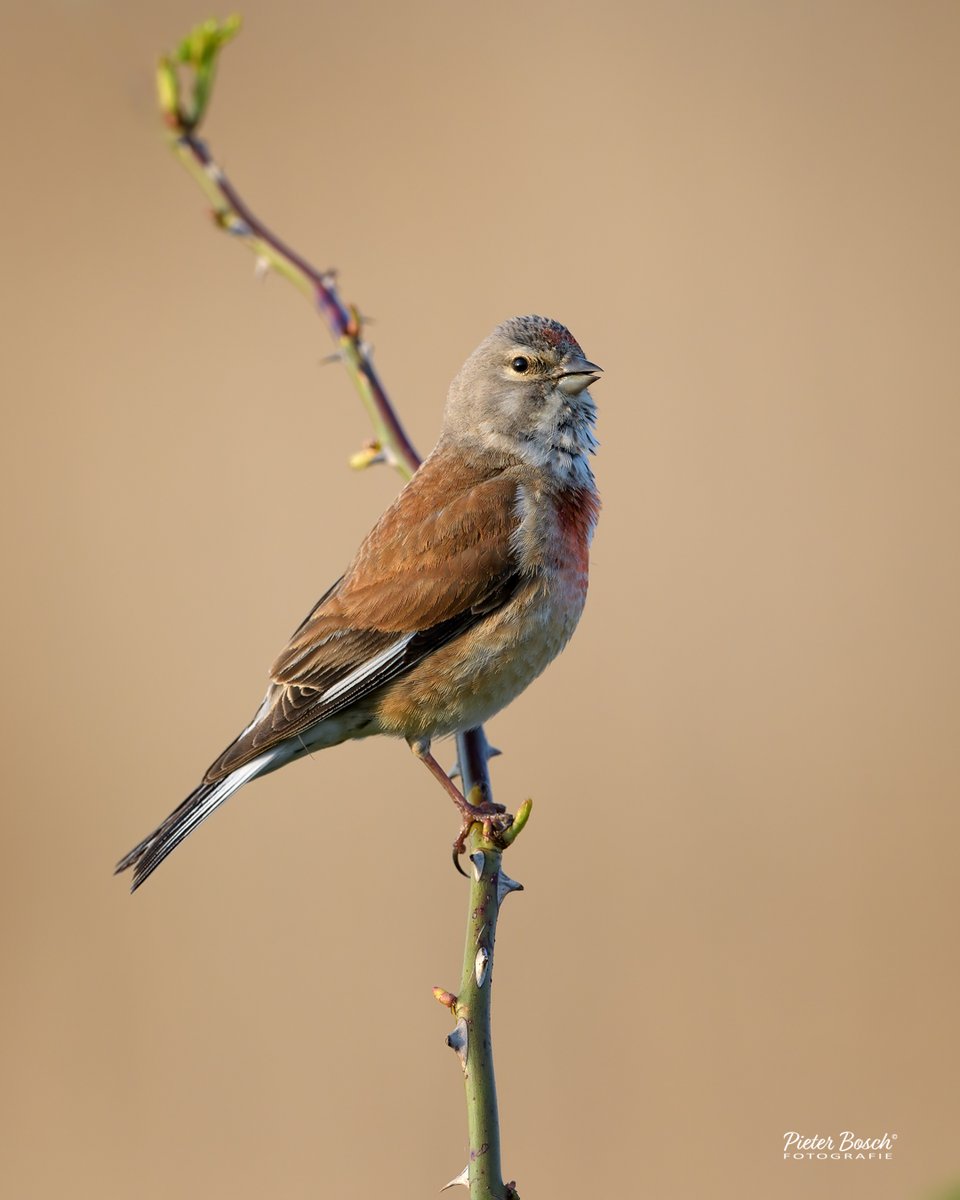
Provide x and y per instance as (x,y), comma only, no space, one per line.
(424,575)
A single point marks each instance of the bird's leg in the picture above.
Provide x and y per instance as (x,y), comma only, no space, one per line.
(487,813)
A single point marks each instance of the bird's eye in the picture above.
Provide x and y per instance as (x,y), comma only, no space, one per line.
(520,364)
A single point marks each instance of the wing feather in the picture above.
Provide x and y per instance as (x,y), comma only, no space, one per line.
(424,575)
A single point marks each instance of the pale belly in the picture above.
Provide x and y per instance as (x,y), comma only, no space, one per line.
(463,684)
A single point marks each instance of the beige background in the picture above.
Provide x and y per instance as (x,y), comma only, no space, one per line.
(742,896)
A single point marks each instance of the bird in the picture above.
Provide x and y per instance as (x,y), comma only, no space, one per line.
(467,587)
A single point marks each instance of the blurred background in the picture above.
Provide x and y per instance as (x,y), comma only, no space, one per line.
(741,872)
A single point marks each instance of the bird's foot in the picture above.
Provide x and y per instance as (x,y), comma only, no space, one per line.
(494,819)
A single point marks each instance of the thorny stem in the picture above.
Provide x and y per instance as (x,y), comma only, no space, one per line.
(232,214)
(472,1037)
(473,1006)
(345,324)
(199,51)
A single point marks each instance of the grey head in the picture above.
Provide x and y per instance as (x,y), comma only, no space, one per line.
(522,394)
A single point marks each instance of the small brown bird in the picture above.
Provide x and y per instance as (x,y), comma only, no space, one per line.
(467,587)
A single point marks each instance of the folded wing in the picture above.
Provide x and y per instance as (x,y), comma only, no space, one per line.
(422,577)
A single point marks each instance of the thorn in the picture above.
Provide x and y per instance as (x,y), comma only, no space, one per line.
(480,965)
(479,862)
(489,751)
(506,885)
(261,267)
(329,359)
(463,1177)
(447,999)
(458,1041)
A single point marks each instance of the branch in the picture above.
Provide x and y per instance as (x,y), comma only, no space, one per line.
(472,1036)
(199,50)
(183,114)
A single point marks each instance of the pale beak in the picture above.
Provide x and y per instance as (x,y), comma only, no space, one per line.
(577,373)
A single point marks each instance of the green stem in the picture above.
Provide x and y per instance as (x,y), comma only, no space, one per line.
(473,1037)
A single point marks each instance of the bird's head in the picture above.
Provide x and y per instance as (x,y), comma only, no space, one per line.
(523,393)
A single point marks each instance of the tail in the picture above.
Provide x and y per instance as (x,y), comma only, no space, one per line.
(150,853)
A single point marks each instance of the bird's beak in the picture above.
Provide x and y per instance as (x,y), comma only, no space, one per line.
(577,373)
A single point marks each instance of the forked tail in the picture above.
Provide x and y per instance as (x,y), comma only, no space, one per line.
(150,853)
